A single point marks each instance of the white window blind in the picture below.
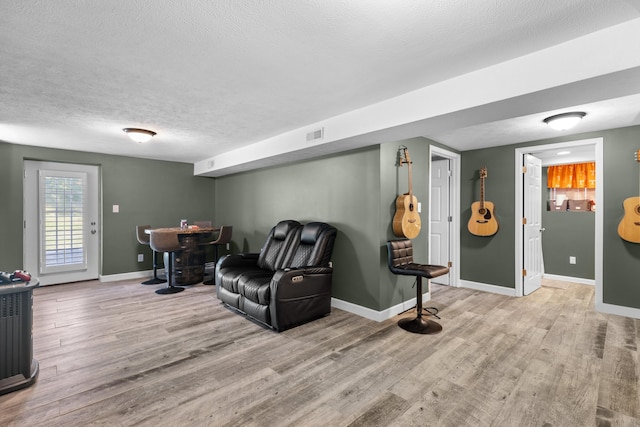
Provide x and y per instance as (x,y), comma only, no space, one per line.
(62,197)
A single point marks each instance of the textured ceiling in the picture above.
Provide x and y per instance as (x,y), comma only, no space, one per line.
(211,77)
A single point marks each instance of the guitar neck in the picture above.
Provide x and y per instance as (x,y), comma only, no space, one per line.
(410,181)
(481,192)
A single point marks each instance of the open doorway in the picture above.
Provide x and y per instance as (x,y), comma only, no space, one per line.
(444,208)
(581,151)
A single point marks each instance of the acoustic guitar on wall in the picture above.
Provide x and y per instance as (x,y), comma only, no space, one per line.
(483,221)
(629,227)
(406,221)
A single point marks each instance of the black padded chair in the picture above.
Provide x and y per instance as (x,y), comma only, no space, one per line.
(401,262)
(224,237)
(144,239)
(167,242)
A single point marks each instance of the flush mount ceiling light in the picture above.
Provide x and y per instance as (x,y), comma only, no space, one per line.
(564,121)
(139,135)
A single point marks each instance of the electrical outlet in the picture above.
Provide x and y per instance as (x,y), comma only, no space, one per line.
(227,246)
(572,260)
(116,208)
(419,207)
(140,257)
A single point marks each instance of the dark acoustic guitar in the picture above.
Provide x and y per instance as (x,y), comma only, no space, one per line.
(483,221)
(629,227)
(406,221)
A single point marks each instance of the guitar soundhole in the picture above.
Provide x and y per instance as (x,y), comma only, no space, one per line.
(637,209)
(482,211)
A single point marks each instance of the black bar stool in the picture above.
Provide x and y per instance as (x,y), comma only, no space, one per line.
(167,242)
(400,261)
(143,239)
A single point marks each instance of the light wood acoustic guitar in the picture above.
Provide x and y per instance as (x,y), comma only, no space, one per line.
(629,227)
(483,221)
(406,221)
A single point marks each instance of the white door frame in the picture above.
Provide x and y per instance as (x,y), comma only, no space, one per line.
(599,218)
(454,236)
(31,224)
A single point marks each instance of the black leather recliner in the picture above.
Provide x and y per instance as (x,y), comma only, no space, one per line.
(288,283)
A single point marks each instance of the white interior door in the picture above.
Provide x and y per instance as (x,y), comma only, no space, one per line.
(532,225)
(440,214)
(61,228)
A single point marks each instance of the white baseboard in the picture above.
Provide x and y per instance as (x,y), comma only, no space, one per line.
(618,310)
(128,276)
(494,289)
(580,280)
(375,315)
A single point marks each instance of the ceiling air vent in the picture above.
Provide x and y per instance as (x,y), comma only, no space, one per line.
(315,135)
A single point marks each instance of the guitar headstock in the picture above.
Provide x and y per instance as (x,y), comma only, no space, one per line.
(483,172)
(636,155)
(404,155)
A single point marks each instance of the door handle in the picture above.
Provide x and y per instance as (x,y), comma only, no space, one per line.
(542,229)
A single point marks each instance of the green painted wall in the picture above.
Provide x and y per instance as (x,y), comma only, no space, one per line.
(491,260)
(148,191)
(567,234)
(621,259)
(354,191)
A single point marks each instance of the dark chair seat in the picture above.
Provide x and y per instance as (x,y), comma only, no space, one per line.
(400,261)
(424,270)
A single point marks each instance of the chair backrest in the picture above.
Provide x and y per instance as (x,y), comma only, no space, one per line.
(275,248)
(165,241)
(314,246)
(400,252)
(143,238)
(224,236)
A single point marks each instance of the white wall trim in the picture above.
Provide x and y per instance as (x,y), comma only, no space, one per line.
(494,289)
(618,310)
(375,315)
(127,276)
(580,280)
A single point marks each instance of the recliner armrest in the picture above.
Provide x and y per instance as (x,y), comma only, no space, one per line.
(238,260)
(300,282)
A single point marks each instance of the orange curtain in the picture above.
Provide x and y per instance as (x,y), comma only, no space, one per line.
(580,175)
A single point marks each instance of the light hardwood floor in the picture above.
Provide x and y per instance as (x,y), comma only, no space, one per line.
(118,354)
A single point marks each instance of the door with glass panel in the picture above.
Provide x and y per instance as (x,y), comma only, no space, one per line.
(61,228)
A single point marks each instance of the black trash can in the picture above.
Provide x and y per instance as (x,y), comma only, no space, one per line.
(18,368)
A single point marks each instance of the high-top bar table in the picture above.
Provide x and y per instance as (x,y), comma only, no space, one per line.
(188,267)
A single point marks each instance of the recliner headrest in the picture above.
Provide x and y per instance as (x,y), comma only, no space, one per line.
(283,228)
(311,231)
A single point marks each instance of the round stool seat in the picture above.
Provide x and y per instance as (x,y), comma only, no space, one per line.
(165,241)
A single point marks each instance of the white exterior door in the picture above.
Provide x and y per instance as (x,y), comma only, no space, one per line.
(532,225)
(61,228)
(440,225)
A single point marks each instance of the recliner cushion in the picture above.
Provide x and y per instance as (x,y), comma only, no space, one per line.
(314,246)
(275,247)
